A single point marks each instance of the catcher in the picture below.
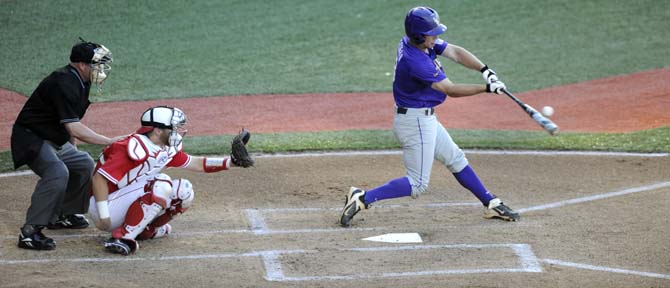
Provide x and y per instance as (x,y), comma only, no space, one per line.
(132,198)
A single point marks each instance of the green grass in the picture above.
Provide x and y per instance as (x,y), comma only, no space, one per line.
(653,140)
(177,48)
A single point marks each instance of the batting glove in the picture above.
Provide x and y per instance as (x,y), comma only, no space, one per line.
(488,74)
(496,87)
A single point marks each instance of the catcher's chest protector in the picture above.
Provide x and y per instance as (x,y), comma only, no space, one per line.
(143,161)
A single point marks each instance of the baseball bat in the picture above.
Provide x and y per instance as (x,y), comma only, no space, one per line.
(546,124)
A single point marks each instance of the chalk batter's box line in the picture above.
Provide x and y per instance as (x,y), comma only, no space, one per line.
(528,263)
(256,217)
(258,225)
(274,269)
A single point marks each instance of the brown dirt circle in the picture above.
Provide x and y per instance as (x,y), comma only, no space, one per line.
(615,104)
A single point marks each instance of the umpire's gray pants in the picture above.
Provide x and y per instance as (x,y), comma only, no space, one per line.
(65,181)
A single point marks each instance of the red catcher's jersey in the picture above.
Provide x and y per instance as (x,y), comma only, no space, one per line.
(136,158)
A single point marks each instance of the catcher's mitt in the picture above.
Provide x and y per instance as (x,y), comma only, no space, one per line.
(239,154)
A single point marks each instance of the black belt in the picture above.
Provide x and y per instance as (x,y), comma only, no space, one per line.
(427,111)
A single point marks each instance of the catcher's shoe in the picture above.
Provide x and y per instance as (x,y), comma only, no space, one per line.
(74,221)
(121,246)
(31,237)
(354,202)
(163,231)
(499,210)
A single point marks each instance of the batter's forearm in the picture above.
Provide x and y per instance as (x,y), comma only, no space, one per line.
(463,90)
(464,57)
(469,60)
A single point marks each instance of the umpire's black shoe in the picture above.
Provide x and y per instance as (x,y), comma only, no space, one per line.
(73,221)
(31,237)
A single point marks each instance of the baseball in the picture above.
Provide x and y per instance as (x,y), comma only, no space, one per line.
(547,111)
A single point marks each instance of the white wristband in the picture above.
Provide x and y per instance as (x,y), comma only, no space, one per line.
(103,209)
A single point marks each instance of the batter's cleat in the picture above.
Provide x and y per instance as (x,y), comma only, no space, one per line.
(74,221)
(499,210)
(354,202)
(121,246)
(31,237)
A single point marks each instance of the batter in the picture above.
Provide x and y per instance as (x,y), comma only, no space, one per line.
(419,85)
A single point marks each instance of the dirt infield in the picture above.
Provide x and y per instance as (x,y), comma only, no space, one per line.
(616,104)
(587,221)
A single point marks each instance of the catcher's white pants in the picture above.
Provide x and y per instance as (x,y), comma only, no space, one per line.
(423,138)
(119,202)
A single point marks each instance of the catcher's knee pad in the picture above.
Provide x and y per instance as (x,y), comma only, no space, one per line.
(161,189)
(182,189)
(140,213)
(417,190)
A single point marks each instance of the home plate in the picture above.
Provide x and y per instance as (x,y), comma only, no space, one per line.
(396,238)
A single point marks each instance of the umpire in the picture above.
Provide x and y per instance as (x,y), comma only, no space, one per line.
(43,137)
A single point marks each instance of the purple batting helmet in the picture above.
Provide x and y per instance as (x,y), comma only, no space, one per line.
(421,21)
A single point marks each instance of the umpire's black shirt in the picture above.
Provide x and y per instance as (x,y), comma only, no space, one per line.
(61,97)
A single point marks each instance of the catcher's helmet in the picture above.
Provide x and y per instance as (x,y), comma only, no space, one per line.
(421,21)
(164,117)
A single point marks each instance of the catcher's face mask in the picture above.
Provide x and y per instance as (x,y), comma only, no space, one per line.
(178,130)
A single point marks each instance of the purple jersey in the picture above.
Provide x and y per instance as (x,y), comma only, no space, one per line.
(415,71)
